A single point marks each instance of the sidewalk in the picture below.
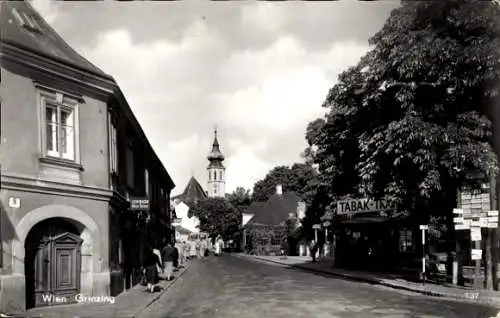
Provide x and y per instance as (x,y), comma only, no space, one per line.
(389,280)
(127,305)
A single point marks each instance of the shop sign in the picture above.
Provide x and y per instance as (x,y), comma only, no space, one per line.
(364,205)
(139,204)
(316,226)
(176,221)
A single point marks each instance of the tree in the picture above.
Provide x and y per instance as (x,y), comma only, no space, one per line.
(313,135)
(240,199)
(217,217)
(297,178)
(413,118)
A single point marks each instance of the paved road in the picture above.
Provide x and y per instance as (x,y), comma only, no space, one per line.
(231,287)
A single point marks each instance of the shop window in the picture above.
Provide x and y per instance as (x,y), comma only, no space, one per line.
(405,240)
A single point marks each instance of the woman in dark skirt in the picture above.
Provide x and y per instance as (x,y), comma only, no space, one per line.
(151,260)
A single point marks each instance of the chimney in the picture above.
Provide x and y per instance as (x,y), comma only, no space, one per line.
(279,189)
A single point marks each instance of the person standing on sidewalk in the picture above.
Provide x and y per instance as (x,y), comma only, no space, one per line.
(180,250)
(151,260)
(314,249)
(168,257)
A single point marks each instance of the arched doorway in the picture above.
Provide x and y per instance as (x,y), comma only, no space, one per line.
(52,263)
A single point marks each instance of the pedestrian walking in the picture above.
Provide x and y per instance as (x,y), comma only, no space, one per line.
(198,249)
(186,248)
(180,250)
(151,260)
(168,254)
(176,258)
(192,250)
(314,250)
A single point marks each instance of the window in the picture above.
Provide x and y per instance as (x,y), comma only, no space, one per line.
(113,147)
(405,240)
(130,167)
(60,126)
(146,182)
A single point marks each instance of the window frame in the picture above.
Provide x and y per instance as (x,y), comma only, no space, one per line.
(113,146)
(147,190)
(60,100)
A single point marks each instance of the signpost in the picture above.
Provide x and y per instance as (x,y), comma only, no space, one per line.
(316,227)
(423,228)
(474,219)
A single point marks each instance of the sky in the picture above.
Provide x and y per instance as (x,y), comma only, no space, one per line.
(259,71)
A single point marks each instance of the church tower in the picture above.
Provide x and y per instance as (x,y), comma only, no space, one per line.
(216,171)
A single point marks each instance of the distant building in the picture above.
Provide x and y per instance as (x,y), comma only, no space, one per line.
(182,203)
(265,223)
(73,156)
(216,171)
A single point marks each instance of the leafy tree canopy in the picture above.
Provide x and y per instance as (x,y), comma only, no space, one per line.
(412,119)
(217,217)
(298,178)
(240,199)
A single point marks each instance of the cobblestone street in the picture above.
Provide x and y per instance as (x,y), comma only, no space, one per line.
(228,286)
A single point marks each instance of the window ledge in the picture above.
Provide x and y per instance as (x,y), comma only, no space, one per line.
(61,162)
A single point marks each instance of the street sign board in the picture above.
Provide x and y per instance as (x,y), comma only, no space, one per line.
(475,234)
(492,225)
(493,213)
(176,221)
(476,257)
(475,224)
(458,220)
(424,227)
(462,226)
(476,254)
(364,205)
(458,211)
(327,224)
(316,226)
(139,204)
(493,219)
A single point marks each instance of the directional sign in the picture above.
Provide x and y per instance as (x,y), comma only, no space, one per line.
(424,227)
(476,254)
(458,211)
(316,226)
(493,219)
(462,226)
(475,234)
(493,213)
(492,225)
(458,220)
(475,224)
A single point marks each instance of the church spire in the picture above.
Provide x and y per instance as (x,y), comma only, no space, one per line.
(215,154)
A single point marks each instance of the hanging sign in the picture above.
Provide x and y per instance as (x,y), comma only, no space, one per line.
(364,205)
(139,204)
(493,213)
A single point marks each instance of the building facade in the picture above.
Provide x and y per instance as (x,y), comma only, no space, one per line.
(216,171)
(72,154)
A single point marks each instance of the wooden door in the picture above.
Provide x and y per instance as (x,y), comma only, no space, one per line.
(57,270)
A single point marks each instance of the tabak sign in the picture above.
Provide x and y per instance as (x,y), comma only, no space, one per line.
(364,205)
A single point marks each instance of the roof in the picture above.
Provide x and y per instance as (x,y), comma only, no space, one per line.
(192,192)
(275,211)
(215,154)
(23,27)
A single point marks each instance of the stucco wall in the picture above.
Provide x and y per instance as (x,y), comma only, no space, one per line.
(20,132)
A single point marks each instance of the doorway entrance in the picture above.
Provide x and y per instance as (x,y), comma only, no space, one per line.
(52,263)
